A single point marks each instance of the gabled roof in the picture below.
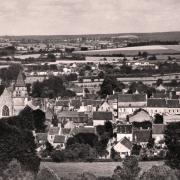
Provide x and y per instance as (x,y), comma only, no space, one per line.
(126,142)
(158,128)
(20,80)
(142,135)
(92,102)
(132,97)
(54,130)
(102,116)
(59,139)
(140,116)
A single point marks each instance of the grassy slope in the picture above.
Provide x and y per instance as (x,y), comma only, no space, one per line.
(99,169)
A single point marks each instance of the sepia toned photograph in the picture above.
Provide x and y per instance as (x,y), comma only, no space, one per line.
(89,90)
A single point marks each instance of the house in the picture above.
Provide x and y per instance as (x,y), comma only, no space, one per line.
(142,136)
(78,118)
(158,132)
(124,130)
(105,107)
(128,103)
(61,105)
(99,118)
(41,138)
(53,131)
(140,116)
(123,147)
(59,142)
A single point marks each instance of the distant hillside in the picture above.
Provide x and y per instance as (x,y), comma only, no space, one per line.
(158,36)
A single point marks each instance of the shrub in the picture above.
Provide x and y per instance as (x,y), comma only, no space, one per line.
(47,174)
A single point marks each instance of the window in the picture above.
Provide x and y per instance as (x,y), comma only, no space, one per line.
(5,111)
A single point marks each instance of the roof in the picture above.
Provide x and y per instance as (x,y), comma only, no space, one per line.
(124,128)
(65,130)
(158,128)
(132,98)
(62,103)
(102,116)
(41,136)
(20,80)
(173,103)
(126,142)
(140,116)
(92,102)
(69,114)
(142,135)
(78,130)
(156,102)
(76,103)
(54,130)
(59,139)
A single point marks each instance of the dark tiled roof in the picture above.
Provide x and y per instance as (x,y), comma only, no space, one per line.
(124,128)
(132,98)
(69,114)
(102,116)
(142,135)
(78,130)
(76,103)
(92,102)
(54,130)
(65,130)
(126,142)
(173,103)
(62,103)
(153,102)
(41,136)
(59,139)
(158,128)
(160,95)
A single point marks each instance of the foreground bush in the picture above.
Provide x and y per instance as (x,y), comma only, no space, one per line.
(160,173)
(15,172)
(47,174)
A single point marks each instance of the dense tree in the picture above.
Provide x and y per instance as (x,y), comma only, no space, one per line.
(19,144)
(158,119)
(128,171)
(39,120)
(172,140)
(109,85)
(52,87)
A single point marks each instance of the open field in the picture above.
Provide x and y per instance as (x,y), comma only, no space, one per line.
(130,51)
(97,168)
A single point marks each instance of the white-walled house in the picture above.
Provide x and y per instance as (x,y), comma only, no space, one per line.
(99,118)
(123,147)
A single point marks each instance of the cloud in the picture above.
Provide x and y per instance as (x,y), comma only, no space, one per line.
(88,16)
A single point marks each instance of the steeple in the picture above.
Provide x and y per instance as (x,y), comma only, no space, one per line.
(20,80)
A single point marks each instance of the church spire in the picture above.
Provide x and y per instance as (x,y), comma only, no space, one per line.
(20,80)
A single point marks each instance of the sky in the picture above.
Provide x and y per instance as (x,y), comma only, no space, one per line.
(57,17)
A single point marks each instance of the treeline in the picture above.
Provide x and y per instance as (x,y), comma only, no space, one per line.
(148,43)
(51,88)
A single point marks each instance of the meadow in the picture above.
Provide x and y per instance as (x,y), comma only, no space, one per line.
(97,168)
(131,51)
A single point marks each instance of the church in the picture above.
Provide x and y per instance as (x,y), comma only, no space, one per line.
(12,101)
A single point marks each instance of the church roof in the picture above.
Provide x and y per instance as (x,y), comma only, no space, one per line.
(20,80)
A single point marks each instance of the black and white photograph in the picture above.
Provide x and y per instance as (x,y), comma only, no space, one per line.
(89,89)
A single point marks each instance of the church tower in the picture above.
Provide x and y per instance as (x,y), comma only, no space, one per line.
(20,94)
